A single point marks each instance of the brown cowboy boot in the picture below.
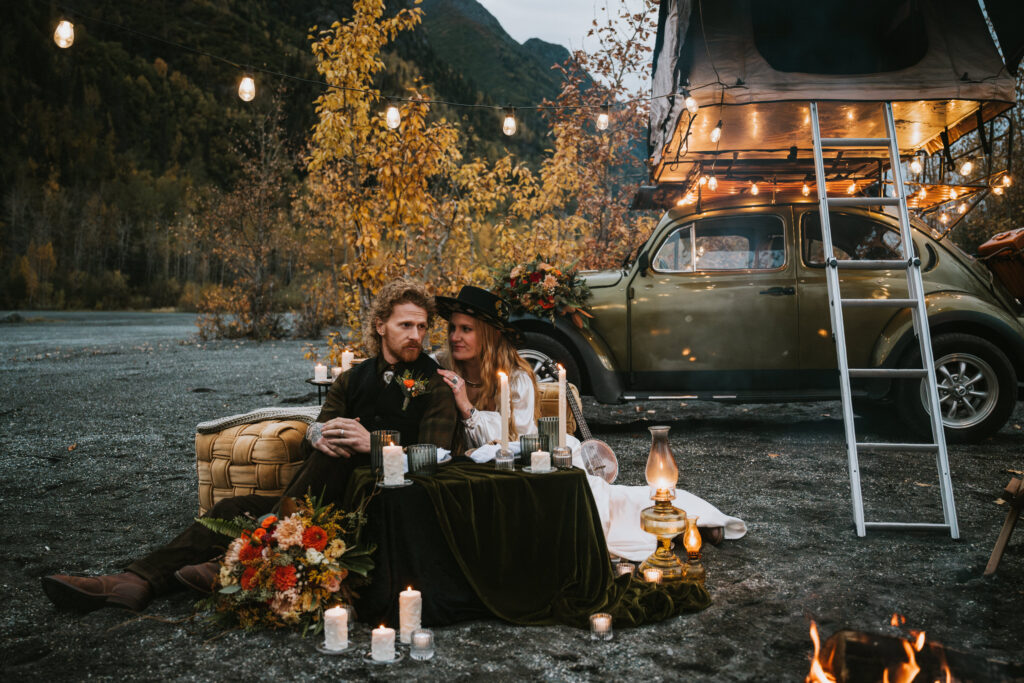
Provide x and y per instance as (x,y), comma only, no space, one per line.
(87,593)
(199,577)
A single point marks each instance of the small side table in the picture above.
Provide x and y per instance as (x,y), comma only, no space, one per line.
(322,386)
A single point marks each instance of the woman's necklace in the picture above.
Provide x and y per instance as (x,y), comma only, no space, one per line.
(472,383)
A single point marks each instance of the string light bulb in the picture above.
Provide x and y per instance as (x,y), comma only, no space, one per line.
(247,88)
(712,183)
(943,218)
(915,166)
(962,208)
(602,119)
(967,166)
(922,194)
(703,180)
(716,133)
(691,103)
(805,190)
(393,117)
(64,34)
(508,127)
(997,190)
(1007,180)
(754,189)
(852,188)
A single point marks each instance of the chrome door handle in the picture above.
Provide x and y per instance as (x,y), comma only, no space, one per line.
(779,291)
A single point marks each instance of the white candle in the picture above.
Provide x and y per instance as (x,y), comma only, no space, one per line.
(561,407)
(335,371)
(393,470)
(410,609)
(336,628)
(320,372)
(652,575)
(421,639)
(346,360)
(540,461)
(504,407)
(382,648)
(602,623)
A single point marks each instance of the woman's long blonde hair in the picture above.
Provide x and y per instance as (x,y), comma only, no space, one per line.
(496,354)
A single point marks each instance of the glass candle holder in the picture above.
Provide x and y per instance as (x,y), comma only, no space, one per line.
(528,443)
(625,568)
(547,427)
(422,458)
(378,440)
(422,645)
(601,626)
(504,460)
(652,575)
(561,458)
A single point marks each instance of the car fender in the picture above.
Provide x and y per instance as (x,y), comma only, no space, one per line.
(601,377)
(946,313)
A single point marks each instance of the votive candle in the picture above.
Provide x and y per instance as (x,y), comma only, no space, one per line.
(392,457)
(625,568)
(422,644)
(336,371)
(410,610)
(652,575)
(336,628)
(320,372)
(382,647)
(601,626)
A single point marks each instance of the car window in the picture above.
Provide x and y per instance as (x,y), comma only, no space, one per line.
(676,252)
(740,243)
(854,237)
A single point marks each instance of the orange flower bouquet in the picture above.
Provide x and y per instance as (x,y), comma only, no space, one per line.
(285,571)
(544,290)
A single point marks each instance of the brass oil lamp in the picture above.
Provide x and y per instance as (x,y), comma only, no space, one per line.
(663,519)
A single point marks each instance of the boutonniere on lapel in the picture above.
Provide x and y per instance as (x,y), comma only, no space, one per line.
(411,385)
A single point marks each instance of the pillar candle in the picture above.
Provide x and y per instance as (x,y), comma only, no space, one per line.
(382,648)
(410,609)
(336,628)
(540,461)
(335,371)
(346,360)
(392,456)
(504,407)
(320,372)
(561,407)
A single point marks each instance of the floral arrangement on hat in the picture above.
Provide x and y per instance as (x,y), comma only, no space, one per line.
(285,571)
(544,290)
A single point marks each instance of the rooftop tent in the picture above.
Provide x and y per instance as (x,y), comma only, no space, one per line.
(755,65)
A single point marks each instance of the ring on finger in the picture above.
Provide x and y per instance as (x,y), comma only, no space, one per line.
(342,432)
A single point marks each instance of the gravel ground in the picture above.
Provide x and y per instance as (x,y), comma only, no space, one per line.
(97,466)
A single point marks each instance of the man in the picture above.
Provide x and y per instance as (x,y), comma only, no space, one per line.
(397,389)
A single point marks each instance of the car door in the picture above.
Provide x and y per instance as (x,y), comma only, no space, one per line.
(854,236)
(717,308)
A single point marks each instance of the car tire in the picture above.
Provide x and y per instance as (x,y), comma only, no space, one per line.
(977,388)
(538,349)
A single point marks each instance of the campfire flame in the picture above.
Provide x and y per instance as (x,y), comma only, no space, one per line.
(818,673)
(897,619)
(904,672)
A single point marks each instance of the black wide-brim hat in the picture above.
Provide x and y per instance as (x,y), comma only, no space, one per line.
(482,305)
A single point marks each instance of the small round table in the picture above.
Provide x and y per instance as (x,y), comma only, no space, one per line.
(322,386)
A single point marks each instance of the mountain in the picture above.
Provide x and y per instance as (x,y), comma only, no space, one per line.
(468,37)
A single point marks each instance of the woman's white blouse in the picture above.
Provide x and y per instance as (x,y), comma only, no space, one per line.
(485,425)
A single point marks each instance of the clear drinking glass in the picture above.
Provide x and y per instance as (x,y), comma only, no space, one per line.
(422,458)
(378,440)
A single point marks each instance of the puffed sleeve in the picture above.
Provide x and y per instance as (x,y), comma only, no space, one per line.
(485,425)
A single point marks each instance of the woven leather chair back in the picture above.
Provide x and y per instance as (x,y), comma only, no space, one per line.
(548,400)
(258,458)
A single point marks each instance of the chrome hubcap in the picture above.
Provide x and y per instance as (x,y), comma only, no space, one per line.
(968,390)
(537,361)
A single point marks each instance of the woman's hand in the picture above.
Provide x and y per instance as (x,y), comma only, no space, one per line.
(458,387)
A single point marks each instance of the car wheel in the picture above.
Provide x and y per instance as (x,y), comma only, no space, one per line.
(977,388)
(540,351)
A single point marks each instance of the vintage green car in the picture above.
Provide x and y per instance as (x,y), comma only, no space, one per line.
(731,304)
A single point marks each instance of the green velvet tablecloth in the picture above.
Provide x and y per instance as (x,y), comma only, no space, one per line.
(532,548)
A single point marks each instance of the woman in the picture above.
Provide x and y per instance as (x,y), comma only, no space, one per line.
(481,343)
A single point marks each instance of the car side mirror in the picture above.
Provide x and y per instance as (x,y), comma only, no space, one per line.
(644,262)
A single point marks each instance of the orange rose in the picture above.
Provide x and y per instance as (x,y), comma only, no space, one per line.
(409,383)
(259,534)
(268,521)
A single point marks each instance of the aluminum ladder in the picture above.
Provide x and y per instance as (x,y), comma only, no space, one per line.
(916,303)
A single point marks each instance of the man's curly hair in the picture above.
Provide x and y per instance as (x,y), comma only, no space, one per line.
(400,291)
